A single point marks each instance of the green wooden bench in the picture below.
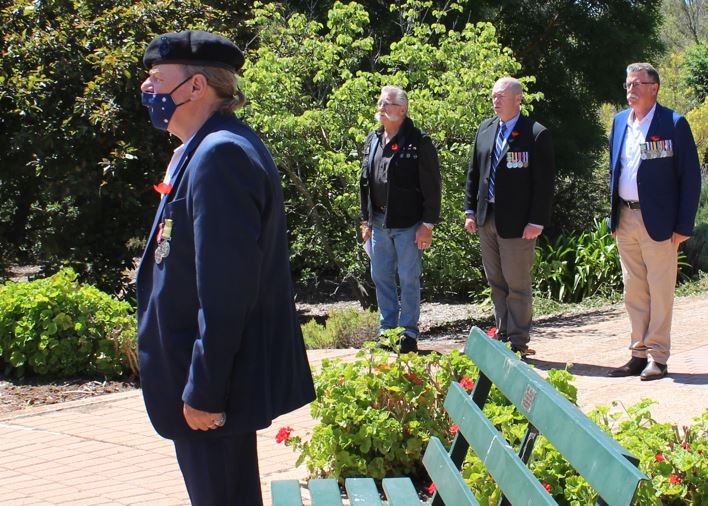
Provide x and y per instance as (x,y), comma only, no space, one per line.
(607,466)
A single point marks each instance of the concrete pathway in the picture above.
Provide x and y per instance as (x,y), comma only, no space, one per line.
(103,451)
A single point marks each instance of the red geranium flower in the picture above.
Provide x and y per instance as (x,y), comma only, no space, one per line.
(162,188)
(492,332)
(283,434)
(684,445)
(547,487)
(454,429)
(659,457)
(467,383)
(655,138)
(514,133)
(674,478)
(394,147)
(432,489)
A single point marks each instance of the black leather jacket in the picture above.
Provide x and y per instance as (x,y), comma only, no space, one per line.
(413,184)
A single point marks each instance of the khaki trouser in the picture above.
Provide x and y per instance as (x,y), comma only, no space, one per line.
(507,266)
(649,270)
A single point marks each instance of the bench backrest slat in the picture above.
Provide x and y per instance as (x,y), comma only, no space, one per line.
(400,492)
(362,491)
(285,493)
(602,461)
(517,482)
(447,478)
(325,492)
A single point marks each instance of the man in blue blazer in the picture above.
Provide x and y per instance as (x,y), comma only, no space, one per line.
(655,186)
(220,348)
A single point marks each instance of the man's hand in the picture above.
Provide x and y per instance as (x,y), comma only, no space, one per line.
(365,232)
(202,420)
(531,232)
(423,237)
(471,224)
(677,238)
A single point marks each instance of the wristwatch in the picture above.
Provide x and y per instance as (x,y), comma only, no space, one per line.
(429,226)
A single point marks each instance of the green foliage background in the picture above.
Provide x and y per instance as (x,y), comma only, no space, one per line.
(58,327)
(79,156)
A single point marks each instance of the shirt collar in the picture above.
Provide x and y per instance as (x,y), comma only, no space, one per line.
(511,123)
(646,120)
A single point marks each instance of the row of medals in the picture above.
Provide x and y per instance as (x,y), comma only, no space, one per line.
(656,149)
(517,159)
(163,241)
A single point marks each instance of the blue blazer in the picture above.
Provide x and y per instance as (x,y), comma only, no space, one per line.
(669,188)
(217,326)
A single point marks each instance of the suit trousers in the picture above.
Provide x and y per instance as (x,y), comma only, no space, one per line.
(649,270)
(507,266)
(220,471)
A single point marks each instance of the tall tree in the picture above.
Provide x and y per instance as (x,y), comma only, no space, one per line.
(78,154)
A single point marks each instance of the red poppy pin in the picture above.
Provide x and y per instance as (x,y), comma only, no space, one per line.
(514,133)
(394,147)
(655,138)
(163,188)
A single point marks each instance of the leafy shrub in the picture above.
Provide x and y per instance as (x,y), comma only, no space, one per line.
(674,461)
(56,326)
(696,248)
(377,414)
(344,328)
(574,267)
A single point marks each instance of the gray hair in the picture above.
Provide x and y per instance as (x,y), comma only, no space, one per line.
(398,92)
(223,82)
(647,67)
(513,84)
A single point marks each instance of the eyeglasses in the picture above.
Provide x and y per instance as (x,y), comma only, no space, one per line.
(385,103)
(627,86)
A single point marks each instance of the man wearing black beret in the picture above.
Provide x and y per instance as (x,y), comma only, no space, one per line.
(220,347)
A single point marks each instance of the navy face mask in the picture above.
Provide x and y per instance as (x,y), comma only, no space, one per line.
(161,106)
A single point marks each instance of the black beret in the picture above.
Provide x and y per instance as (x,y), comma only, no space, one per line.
(193,47)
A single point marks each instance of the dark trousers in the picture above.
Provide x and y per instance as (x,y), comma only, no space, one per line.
(220,472)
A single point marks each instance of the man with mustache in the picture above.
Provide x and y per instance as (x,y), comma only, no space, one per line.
(655,184)
(400,204)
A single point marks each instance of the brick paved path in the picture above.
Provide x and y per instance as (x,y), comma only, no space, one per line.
(104,452)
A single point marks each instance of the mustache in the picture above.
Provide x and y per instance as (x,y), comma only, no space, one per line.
(632,95)
(390,117)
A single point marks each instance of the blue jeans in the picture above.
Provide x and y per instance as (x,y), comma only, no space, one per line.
(393,250)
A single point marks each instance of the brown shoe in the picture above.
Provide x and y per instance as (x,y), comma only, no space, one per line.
(632,368)
(653,371)
(525,352)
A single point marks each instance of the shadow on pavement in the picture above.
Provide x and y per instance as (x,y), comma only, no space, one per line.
(580,369)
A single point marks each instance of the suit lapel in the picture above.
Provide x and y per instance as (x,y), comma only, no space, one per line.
(209,126)
(620,131)
(490,140)
(656,125)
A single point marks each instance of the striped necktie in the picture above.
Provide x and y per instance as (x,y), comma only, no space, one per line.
(495,159)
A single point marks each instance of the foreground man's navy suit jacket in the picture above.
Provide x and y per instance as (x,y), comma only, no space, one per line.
(217,326)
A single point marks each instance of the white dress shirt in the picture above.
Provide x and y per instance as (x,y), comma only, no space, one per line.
(630,157)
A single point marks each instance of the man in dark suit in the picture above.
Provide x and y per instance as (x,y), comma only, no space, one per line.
(655,185)
(508,201)
(220,348)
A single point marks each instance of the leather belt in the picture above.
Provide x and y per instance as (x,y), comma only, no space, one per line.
(631,204)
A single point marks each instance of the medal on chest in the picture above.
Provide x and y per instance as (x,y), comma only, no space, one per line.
(164,236)
(517,159)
